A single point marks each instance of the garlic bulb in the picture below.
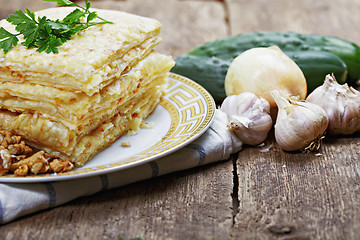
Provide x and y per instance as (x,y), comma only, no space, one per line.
(249,117)
(299,124)
(260,70)
(341,103)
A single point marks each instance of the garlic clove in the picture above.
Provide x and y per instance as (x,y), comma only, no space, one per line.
(341,103)
(249,117)
(299,124)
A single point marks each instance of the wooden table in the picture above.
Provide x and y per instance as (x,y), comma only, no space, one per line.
(271,195)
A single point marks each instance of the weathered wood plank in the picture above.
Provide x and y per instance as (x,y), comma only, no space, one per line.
(8,7)
(195,204)
(338,17)
(299,196)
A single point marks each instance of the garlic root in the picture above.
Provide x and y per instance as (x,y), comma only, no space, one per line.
(249,117)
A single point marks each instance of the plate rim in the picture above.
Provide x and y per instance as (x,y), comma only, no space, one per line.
(91,172)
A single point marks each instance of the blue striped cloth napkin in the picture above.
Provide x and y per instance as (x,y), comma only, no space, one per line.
(19,199)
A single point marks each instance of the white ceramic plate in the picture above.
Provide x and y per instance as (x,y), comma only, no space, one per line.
(184,113)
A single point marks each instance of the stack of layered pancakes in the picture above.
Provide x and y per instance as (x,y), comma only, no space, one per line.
(100,86)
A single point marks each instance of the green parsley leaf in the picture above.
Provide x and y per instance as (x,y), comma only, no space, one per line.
(45,34)
(30,37)
(74,16)
(62,2)
(19,17)
(91,16)
(88,5)
(8,40)
(57,25)
(51,44)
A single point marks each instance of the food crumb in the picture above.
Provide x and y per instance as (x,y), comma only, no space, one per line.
(265,148)
(125,144)
(146,125)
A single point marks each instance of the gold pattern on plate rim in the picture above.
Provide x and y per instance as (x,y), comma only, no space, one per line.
(191,109)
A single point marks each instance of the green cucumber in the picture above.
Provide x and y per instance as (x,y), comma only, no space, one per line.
(316,55)
(210,72)
(316,65)
(229,48)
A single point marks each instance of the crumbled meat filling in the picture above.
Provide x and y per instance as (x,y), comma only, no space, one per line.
(18,158)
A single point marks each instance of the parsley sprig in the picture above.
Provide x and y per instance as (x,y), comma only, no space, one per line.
(46,34)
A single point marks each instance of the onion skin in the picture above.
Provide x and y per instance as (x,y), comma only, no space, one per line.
(261,70)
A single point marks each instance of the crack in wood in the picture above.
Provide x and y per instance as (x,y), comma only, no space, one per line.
(227,17)
(235,192)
